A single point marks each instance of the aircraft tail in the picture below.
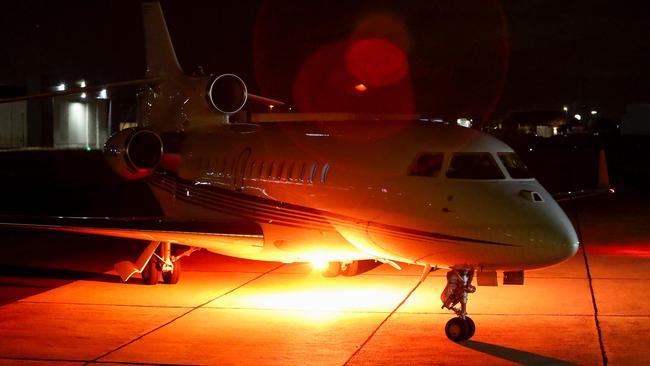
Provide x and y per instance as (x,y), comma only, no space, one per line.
(160,55)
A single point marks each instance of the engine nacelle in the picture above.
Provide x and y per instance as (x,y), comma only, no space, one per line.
(227,93)
(134,153)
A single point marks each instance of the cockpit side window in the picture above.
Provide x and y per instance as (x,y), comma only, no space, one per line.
(514,165)
(427,165)
(474,166)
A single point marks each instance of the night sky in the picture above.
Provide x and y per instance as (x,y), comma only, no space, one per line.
(443,58)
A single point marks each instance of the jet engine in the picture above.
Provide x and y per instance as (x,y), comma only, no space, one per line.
(134,153)
(226,93)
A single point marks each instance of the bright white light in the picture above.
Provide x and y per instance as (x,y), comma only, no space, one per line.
(594,112)
(319,265)
(83,95)
(60,87)
(577,116)
(271,106)
(565,108)
(464,122)
(103,94)
(82,84)
(555,131)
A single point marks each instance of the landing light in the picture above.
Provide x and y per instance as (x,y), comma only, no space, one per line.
(319,265)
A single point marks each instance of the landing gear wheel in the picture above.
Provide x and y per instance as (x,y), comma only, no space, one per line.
(471,327)
(171,277)
(351,269)
(333,269)
(150,273)
(457,329)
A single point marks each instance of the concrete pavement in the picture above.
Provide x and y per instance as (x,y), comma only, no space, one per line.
(227,311)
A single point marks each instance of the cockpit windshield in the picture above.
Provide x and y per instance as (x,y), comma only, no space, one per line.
(514,165)
(427,165)
(474,166)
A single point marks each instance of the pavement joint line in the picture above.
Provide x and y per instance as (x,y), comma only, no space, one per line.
(97,359)
(57,360)
(601,344)
(421,281)
(111,305)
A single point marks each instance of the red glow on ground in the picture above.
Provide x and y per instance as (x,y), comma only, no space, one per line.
(640,250)
(376,61)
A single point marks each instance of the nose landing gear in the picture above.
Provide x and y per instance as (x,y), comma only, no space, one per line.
(459,286)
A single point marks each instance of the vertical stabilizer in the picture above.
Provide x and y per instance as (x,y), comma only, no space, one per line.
(161,58)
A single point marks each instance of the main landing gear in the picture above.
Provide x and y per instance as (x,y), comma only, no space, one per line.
(165,261)
(459,285)
(157,258)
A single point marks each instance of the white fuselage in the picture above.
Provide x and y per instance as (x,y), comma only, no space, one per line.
(346,191)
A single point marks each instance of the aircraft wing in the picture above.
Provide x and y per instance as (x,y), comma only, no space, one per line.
(603,186)
(583,193)
(232,235)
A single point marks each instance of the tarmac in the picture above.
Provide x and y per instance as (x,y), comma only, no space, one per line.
(62,304)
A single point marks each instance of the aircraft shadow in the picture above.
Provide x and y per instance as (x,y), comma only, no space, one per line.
(514,355)
(56,274)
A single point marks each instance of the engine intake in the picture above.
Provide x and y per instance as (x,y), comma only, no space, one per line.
(227,93)
(134,153)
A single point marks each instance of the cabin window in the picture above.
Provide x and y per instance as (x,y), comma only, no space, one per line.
(260,171)
(290,172)
(222,171)
(269,173)
(281,171)
(427,165)
(231,168)
(251,169)
(474,166)
(312,173)
(301,173)
(324,172)
(514,165)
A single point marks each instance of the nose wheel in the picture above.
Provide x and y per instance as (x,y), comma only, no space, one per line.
(459,286)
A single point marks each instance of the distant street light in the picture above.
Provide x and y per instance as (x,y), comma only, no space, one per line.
(594,112)
(565,108)
(577,116)
(61,87)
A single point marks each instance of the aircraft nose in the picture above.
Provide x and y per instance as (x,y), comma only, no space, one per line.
(567,242)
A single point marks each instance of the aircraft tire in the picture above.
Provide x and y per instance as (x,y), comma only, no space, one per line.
(471,327)
(150,273)
(457,329)
(333,269)
(352,269)
(174,275)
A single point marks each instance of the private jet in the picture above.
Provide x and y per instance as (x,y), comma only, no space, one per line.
(343,193)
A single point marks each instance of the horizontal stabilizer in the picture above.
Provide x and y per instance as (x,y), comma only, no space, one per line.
(79,90)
